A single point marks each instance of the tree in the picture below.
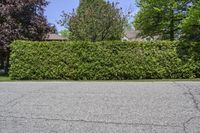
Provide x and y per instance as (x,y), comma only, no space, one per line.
(161,17)
(53,29)
(22,19)
(65,33)
(191,24)
(95,20)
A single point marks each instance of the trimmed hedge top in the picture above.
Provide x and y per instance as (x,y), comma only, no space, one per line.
(113,60)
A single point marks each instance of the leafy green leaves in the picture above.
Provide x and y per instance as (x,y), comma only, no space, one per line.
(161,19)
(110,60)
(191,24)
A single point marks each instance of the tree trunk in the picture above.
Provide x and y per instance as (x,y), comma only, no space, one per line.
(6,65)
(172,25)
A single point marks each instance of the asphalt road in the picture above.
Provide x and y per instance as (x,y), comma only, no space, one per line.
(100,107)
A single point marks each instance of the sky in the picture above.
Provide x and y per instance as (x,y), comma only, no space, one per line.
(54,9)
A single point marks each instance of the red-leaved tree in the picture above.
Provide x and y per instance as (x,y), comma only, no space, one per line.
(22,19)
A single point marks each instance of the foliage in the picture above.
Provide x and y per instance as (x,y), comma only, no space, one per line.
(191,25)
(21,19)
(161,18)
(53,29)
(107,60)
(65,33)
(95,20)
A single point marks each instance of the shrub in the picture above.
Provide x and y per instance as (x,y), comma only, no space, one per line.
(113,60)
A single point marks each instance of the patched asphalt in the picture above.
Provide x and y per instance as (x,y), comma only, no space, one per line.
(100,107)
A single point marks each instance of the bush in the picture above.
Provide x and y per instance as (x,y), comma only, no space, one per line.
(113,60)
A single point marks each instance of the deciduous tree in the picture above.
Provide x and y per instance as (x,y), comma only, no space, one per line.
(191,24)
(161,17)
(22,19)
(65,33)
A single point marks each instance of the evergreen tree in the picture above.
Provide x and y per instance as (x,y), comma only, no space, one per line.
(95,20)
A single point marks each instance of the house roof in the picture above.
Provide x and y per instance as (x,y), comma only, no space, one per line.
(132,34)
(54,37)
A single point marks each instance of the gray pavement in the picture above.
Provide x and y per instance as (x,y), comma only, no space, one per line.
(100,107)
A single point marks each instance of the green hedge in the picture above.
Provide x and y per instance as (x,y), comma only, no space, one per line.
(102,60)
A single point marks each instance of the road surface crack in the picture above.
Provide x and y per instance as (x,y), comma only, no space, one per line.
(192,97)
(93,122)
(195,101)
(15,101)
(196,106)
(188,122)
